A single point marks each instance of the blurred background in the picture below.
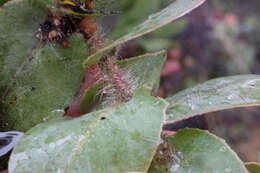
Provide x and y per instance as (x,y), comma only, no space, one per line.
(220,38)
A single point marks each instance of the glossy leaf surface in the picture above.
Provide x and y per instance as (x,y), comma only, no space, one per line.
(214,95)
(117,139)
(197,151)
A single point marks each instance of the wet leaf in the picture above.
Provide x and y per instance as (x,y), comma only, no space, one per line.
(198,151)
(214,95)
(118,139)
(253,167)
(37,80)
(8,140)
(174,11)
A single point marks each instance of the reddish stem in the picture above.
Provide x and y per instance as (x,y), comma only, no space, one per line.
(92,75)
(119,83)
(5,171)
(167,133)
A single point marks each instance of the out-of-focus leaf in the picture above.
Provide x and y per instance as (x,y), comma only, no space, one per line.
(133,13)
(197,151)
(214,95)
(174,11)
(253,167)
(240,54)
(2,2)
(8,140)
(143,70)
(37,80)
(171,29)
(118,139)
(154,44)
(109,5)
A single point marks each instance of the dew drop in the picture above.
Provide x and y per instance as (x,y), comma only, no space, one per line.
(170,115)
(232,97)
(161,141)
(193,107)
(223,149)
(250,84)
(174,167)
(175,161)
(228,170)
(58,110)
(180,155)
(156,103)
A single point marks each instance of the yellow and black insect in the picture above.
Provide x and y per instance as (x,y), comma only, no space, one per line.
(68,17)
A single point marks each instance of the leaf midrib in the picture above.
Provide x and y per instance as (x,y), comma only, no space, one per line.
(89,131)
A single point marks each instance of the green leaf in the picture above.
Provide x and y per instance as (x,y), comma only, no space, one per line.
(174,11)
(118,139)
(108,5)
(171,29)
(197,151)
(135,72)
(90,98)
(133,13)
(154,44)
(38,81)
(253,167)
(214,95)
(143,70)
(2,2)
